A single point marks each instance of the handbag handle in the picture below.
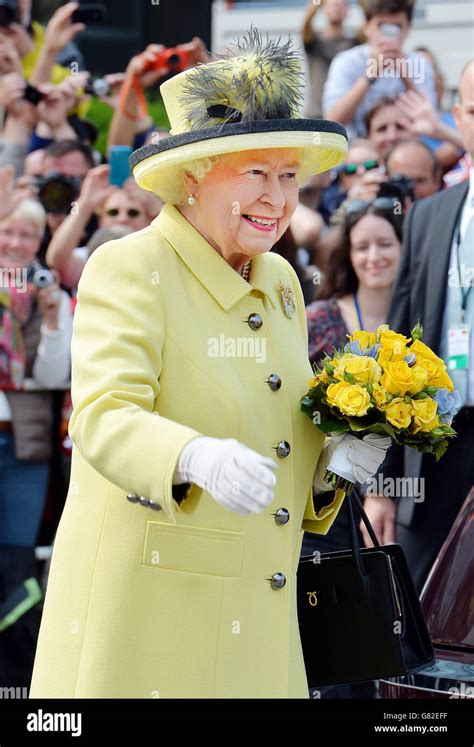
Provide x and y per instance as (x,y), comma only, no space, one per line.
(354,497)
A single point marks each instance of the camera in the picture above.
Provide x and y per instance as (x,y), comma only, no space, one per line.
(173,58)
(8,12)
(40,276)
(398,186)
(33,95)
(56,192)
(98,87)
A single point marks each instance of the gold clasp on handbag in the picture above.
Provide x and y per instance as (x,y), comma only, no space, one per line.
(313,599)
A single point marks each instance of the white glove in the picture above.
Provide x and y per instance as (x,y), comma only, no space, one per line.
(237,477)
(358,459)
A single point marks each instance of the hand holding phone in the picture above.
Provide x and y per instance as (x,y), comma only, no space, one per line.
(93,14)
(119,164)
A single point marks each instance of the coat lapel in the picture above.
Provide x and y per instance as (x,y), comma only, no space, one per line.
(439,243)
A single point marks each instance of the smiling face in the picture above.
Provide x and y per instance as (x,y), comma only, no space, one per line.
(19,243)
(375,252)
(244,204)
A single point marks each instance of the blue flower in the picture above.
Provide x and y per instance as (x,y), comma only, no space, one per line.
(448,404)
(354,347)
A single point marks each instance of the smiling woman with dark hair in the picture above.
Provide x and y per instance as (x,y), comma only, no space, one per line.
(356,290)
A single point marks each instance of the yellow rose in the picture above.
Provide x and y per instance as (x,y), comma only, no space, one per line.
(385,335)
(394,347)
(379,395)
(354,400)
(364,369)
(423,351)
(398,413)
(436,371)
(397,378)
(424,415)
(321,377)
(446,382)
(366,339)
(333,391)
(420,379)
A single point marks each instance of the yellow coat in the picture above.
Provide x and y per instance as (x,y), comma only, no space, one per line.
(178,602)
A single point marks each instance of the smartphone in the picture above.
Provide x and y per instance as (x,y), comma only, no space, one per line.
(389,30)
(91,15)
(32,95)
(119,164)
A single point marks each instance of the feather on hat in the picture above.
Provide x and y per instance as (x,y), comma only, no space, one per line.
(247,101)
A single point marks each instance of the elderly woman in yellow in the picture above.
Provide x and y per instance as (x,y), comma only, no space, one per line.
(174,568)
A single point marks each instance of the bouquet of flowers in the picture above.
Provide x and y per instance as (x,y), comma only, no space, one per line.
(388,384)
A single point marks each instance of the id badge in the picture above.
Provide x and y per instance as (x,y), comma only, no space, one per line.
(458,347)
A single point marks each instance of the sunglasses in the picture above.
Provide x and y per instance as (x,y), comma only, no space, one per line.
(351,168)
(131,212)
(389,204)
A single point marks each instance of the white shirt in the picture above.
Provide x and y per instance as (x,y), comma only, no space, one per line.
(466,215)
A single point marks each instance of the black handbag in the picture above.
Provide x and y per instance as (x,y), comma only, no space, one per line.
(359,613)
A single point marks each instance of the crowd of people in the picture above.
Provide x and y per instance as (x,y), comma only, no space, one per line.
(409,162)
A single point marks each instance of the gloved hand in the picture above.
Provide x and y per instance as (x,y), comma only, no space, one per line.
(237,477)
(358,459)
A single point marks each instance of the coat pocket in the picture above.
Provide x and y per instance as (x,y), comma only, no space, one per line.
(214,552)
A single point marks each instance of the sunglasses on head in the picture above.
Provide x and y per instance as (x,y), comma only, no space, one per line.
(389,204)
(131,212)
(351,168)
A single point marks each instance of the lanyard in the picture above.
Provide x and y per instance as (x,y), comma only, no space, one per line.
(357,308)
(464,292)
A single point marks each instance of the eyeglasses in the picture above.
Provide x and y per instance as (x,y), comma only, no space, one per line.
(389,204)
(351,168)
(131,212)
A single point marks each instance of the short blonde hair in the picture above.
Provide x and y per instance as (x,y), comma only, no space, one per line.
(32,212)
(174,190)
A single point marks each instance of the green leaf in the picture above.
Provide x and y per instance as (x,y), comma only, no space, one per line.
(350,378)
(417,331)
(328,367)
(440,449)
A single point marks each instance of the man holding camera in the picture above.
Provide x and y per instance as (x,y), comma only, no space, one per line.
(361,75)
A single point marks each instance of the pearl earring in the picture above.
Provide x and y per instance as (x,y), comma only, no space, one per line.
(191,200)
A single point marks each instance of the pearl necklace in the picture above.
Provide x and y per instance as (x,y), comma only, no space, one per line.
(245,272)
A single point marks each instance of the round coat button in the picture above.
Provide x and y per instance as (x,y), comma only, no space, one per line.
(255,321)
(283,449)
(154,506)
(278,581)
(144,501)
(274,382)
(282,516)
(133,498)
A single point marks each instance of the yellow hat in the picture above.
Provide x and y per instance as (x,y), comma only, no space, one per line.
(245,102)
